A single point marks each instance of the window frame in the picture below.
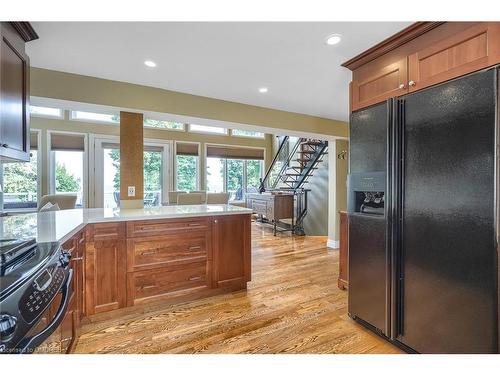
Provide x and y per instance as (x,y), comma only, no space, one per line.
(226,130)
(51,164)
(41,115)
(248,136)
(38,177)
(96,178)
(170,130)
(198,164)
(73,118)
(224,183)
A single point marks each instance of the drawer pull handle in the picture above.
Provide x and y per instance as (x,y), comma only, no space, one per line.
(194,247)
(194,278)
(147,287)
(79,258)
(149,252)
(194,225)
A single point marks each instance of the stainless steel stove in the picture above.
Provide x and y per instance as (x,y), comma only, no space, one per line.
(32,275)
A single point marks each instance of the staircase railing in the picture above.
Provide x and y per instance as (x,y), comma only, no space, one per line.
(271,179)
(317,156)
(277,173)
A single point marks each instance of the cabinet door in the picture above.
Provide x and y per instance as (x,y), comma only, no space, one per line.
(105,268)
(343,250)
(385,82)
(470,50)
(231,248)
(14,94)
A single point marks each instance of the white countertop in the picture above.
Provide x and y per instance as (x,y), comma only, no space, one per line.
(61,225)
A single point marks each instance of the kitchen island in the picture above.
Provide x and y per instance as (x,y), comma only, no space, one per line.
(124,258)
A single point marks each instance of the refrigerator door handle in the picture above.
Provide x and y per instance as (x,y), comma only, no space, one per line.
(397,222)
(401,182)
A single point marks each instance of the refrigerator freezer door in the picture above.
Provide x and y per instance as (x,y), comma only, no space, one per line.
(448,255)
(367,270)
(368,254)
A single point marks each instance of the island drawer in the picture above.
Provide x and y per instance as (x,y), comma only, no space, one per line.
(168,226)
(105,231)
(161,282)
(153,252)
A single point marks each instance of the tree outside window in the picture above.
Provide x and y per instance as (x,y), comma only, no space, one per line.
(152,175)
(186,172)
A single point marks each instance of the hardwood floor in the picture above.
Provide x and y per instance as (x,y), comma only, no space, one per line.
(292,305)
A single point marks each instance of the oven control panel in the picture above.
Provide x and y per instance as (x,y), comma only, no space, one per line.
(41,293)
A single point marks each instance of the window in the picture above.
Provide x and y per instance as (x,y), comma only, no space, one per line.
(186,162)
(234,178)
(111,178)
(206,129)
(20,180)
(246,133)
(67,159)
(254,170)
(234,170)
(161,124)
(107,172)
(46,111)
(92,116)
(153,176)
(215,174)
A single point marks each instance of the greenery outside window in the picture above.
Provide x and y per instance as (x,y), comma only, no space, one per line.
(20,184)
(234,170)
(186,166)
(162,124)
(68,165)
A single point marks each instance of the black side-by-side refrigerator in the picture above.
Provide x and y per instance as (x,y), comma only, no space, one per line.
(423,217)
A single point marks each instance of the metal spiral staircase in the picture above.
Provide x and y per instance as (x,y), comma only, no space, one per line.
(292,166)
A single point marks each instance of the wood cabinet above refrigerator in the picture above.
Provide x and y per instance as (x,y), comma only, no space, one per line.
(14,91)
(422,55)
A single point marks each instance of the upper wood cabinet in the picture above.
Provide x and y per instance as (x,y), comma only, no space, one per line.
(474,48)
(14,91)
(383,83)
(424,54)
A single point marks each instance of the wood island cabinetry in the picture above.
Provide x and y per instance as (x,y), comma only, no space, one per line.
(105,267)
(136,262)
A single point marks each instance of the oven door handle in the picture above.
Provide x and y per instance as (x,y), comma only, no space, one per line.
(28,345)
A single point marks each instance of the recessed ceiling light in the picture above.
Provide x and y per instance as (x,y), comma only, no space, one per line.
(263,90)
(333,39)
(150,64)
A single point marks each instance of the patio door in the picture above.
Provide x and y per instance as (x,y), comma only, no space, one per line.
(157,172)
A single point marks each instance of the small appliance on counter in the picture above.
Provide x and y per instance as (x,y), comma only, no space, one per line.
(32,278)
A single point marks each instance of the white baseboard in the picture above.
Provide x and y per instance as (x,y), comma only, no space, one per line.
(332,244)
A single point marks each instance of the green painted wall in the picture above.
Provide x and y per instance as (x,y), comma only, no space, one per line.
(73,87)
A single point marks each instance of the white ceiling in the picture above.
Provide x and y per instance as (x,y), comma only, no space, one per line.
(227,61)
